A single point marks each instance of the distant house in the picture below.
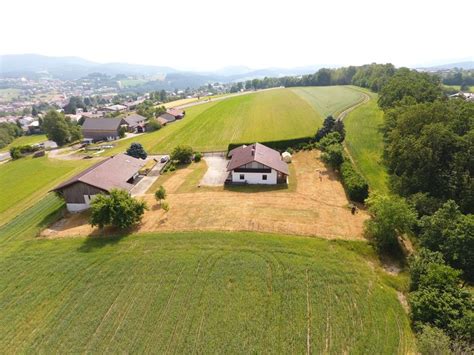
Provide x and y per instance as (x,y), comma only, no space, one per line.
(168,117)
(172,115)
(178,114)
(136,123)
(99,129)
(115,108)
(34,127)
(118,172)
(133,104)
(162,121)
(256,164)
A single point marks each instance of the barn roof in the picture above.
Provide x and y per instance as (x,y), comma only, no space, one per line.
(134,120)
(259,153)
(111,173)
(102,124)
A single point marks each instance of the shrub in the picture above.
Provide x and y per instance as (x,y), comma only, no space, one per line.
(153,125)
(290,150)
(117,209)
(328,140)
(333,155)
(197,157)
(182,153)
(391,218)
(122,132)
(432,340)
(355,185)
(136,150)
(160,194)
(165,206)
(15,153)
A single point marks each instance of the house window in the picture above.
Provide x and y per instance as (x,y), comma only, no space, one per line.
(264,177)
(242,176)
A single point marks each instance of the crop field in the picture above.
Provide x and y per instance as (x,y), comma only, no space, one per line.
(194,292)
(25,140)
(364,140)
(26,180)
(329,100)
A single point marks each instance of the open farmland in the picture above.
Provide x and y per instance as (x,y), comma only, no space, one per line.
(329,100)
(364,140)
(26,180)
(263,116)
(194,292)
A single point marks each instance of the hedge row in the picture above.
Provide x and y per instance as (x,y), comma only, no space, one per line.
(280,145)
(355,185)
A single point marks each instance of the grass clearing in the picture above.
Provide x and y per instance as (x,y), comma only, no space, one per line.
(27,180)
(364,140)
(329,100)
(194,292)
(25,140)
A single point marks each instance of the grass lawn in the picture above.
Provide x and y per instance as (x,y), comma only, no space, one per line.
(25,140)
(329,100)
(128,83)
(364,140)
(27,180)
(194,292)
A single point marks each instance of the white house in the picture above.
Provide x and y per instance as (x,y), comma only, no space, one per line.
(256,164)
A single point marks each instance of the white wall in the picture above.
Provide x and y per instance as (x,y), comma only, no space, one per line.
(256,178)
(77,207)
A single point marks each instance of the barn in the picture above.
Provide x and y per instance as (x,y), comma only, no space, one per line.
(99,129)
(117,172)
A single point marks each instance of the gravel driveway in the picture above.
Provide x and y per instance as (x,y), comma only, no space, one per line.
(216,173)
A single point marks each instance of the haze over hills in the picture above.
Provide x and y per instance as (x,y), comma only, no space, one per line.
(70,68)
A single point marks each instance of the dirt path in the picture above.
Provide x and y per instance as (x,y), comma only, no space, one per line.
(314,208)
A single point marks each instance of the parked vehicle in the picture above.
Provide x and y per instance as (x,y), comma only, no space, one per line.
(164,158)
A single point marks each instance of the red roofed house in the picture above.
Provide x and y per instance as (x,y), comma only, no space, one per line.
(257,164)
(117,172)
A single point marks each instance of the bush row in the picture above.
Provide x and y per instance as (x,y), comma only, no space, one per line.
(355,185)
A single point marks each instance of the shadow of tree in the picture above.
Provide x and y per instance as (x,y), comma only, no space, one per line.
(105,237)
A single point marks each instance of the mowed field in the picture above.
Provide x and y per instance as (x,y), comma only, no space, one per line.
(329,100)
(263,116)
(207,292)
(364,140)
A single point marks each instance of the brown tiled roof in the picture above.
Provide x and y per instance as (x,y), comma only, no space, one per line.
(175,112)
(111,173)
(163,121)
(168,117)
(259,153)
(102,124)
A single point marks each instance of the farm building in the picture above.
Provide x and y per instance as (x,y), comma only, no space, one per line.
(102,128)
(256,164)
(178,114)
(117,172)
(168,117)
(136,123)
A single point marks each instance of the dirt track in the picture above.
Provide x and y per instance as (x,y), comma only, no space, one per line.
(314,208)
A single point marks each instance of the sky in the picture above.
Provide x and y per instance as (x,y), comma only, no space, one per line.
(211,34)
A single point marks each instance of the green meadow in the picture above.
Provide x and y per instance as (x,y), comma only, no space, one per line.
(27,180)
(25,140)
(194,292)
(364,140)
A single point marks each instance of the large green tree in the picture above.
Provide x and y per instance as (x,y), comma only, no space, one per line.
(430,147)
(409,86)
(60,129)
(118,209)
(451,233)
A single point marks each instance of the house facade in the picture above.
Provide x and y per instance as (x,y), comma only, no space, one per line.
(256,164)
(136,123)
(117,172)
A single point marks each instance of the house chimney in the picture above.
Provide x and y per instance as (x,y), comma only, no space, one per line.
(253,151)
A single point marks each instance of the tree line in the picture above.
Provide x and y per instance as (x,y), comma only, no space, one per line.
(428,150)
